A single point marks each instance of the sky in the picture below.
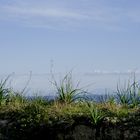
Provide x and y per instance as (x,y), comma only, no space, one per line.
(84,35)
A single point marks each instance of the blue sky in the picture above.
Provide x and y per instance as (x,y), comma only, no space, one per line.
(86,35)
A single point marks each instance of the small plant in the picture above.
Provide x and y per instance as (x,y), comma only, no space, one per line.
(3,90)
(96,114)
(123,96)
(66,91)
(130,95)
(122,112)
(135,93)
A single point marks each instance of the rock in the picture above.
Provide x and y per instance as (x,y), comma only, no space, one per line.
(3,123)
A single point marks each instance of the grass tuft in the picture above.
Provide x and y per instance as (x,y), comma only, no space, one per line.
(66,91)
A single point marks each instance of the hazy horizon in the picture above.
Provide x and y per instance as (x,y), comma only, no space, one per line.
(87,36)
(41,84)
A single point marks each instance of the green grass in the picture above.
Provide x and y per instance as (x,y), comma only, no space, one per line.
(4,90)
(25,115)
(129,95)
(66,91)
(95,113)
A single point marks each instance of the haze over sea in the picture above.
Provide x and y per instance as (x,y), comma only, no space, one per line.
(94,83)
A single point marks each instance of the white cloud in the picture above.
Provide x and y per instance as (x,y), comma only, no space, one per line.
(48,17)
(41,14)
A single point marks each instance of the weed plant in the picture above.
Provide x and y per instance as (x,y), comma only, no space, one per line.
(129,95)
(95,113)
(66,91)
(4,90)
